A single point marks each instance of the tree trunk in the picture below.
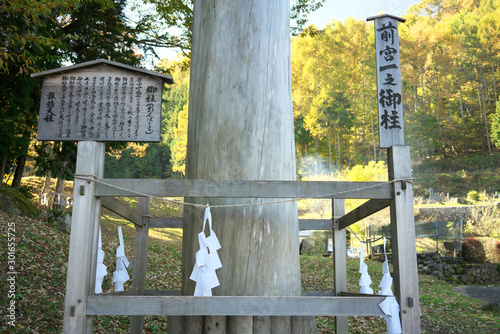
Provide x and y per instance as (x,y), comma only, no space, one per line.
(46,186)
(329,149)
(486,124)
(241,128)
(18,174)
(3,166)
(374,143)
(494,83)
(60,185)
(423,89)
(453,145)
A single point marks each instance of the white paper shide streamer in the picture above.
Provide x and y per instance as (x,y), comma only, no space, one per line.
(100,268)
(120,275)
(389,306)
(365,280)
(207,260)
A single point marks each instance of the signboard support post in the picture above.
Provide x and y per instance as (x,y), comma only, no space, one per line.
(404,253)
(80,281)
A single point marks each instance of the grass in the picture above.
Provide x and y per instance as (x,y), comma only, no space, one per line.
(41,255)
(457,176)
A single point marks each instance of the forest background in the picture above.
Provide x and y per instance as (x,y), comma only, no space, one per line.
(449,65)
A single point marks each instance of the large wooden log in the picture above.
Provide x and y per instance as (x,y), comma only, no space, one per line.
(241,128)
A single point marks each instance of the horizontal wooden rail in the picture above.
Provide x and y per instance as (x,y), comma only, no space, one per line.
(243,189)
(176,222)
(122,209)
(362,211)
(234,306)
(179,293)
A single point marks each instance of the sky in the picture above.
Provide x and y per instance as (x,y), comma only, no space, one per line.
(360,9)
(339,10)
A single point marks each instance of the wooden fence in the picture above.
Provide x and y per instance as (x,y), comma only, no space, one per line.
(92,191)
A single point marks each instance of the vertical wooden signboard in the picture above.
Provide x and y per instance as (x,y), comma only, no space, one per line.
(389,93)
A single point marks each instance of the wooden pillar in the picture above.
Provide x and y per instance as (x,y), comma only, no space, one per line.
(339,260)
(241,128)
(84,237)
(404,254)
(140,260)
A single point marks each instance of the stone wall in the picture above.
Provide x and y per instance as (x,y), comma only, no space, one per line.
(459,272)
(446,214)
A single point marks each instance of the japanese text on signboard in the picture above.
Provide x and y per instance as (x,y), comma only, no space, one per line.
(101,108)
(389,82)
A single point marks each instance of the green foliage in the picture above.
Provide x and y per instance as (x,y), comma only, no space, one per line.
(373,171)
(483,221)
(157,21)
(473,196)
(449,62)
(150,161)
(99,30)
(56,216)
(27,191)
(180,142)
(473,250)
(20,201)
(495,126)
(40,35)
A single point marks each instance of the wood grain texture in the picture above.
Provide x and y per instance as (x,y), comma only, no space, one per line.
(122,209)
(304,224)
(364,210)
(234,305)
(244,189)
(140,259)
(339,260)
(241,128)
(404,254)
(80,280)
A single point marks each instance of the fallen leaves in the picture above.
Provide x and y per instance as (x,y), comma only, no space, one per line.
(41,263)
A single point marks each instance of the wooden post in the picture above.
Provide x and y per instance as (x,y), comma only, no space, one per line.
(339,260)
(140,260)
(404,254)
(390,102)
(241,128)
(84,236)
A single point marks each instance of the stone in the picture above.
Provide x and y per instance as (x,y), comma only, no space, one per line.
(491,307)
(8,206)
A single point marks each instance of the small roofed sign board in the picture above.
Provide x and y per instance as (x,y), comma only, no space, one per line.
(389,93)
(101,100)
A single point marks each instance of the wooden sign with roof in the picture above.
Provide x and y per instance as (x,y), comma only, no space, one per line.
(101,100)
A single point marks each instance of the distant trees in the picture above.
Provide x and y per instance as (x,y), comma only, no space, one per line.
(164,14)
(333,82)
(495,126)
(449,59)
(29,42)
(37,36)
